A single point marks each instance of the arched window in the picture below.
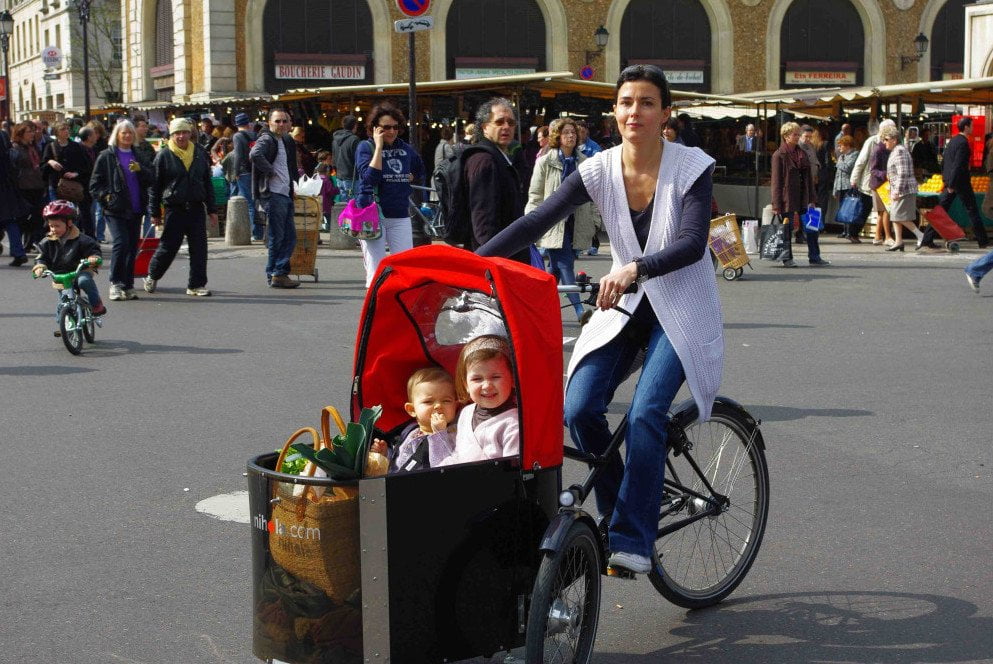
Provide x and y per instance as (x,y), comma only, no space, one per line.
(164,33)
(948,41)
(311,43)
(822,42)
(494,38)
(674,34)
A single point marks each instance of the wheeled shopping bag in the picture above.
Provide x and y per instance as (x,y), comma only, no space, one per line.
(307,215)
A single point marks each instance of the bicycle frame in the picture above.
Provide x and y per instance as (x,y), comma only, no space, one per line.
(675,491)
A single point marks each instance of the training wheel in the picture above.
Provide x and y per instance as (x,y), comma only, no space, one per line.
(952,247)
(730,274)
(737,273)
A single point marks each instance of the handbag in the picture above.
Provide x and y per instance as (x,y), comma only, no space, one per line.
(70,190)
(315,537)
(851,208)
(813,220)
(360,222)
(775,241)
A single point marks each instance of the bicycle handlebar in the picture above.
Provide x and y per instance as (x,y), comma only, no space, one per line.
(66,278)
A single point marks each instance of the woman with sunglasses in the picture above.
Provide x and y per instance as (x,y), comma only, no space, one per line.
(385,167)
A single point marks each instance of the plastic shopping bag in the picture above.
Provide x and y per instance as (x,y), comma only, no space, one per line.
(749,235)
(309,186)
(812,220)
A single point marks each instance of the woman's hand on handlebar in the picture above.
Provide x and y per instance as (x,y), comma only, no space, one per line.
(615,284)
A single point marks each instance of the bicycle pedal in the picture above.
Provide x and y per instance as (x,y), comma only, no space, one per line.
(99,321)
(620,573)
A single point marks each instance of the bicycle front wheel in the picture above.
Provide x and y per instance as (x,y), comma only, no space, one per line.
(701,563)
(71,329)
(565,602)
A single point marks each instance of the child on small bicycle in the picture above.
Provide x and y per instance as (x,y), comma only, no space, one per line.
(433,405)
(488,427)
(64,248)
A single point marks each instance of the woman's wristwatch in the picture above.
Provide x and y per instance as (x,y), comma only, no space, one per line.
(639,262)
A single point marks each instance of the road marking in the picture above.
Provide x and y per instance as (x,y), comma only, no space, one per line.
(567,340)
(226,507)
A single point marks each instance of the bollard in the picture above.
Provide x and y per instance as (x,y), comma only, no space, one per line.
(339,240)
(237,228)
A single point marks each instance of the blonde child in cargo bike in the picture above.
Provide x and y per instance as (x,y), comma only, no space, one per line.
(488,427)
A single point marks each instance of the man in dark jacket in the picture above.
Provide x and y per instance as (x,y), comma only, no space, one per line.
(343,145)
(955,174)
(494,186)
(243,141)
(274,165)
(183,186)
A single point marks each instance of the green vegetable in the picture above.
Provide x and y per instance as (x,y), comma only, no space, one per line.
(293,464)
(347,456)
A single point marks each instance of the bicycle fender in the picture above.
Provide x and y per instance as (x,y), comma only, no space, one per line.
(554,537)
(686,413)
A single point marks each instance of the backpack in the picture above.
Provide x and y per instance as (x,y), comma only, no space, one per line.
(452,221)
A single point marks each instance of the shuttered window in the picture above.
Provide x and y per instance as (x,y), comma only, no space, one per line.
(823,31)
(164,31)
(947,41)
(494,30)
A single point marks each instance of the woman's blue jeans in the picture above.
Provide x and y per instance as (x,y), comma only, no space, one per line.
(562,266)
(630,492)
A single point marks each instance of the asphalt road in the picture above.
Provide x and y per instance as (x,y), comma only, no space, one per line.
(871,378)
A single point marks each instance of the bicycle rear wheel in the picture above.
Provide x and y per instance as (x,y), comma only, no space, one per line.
(701,563)
(72,332)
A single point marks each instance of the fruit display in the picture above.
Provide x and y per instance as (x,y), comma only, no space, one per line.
(931,186)
(980,183)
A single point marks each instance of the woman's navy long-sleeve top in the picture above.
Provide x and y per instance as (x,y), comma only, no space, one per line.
(691,239)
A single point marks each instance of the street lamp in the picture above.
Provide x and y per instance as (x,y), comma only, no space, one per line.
(600,37)
(83,7)
(6,29)
(920,45)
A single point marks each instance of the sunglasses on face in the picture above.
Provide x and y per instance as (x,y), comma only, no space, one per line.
(390,127)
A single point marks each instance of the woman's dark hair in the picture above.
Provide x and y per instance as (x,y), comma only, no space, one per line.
(385,108)
(672,123)
(650,73)
(447,133)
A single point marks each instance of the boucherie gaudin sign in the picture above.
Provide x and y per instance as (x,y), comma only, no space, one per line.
(321,72)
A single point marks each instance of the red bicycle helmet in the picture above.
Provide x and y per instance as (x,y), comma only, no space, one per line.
(61,208)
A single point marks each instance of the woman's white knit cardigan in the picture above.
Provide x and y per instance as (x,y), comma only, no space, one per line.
(685,300)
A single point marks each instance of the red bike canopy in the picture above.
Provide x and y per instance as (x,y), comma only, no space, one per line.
(406,314)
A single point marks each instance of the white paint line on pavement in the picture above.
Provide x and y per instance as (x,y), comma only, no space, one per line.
(567,340)
(226,507)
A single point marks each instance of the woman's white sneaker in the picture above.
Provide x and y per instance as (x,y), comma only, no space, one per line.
(630,561)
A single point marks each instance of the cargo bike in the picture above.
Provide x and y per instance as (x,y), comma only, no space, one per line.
(475,559)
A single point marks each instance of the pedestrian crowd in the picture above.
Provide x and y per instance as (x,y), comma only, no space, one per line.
(116,179)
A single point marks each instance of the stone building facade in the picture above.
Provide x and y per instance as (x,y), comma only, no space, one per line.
(198,50)
(50,92)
